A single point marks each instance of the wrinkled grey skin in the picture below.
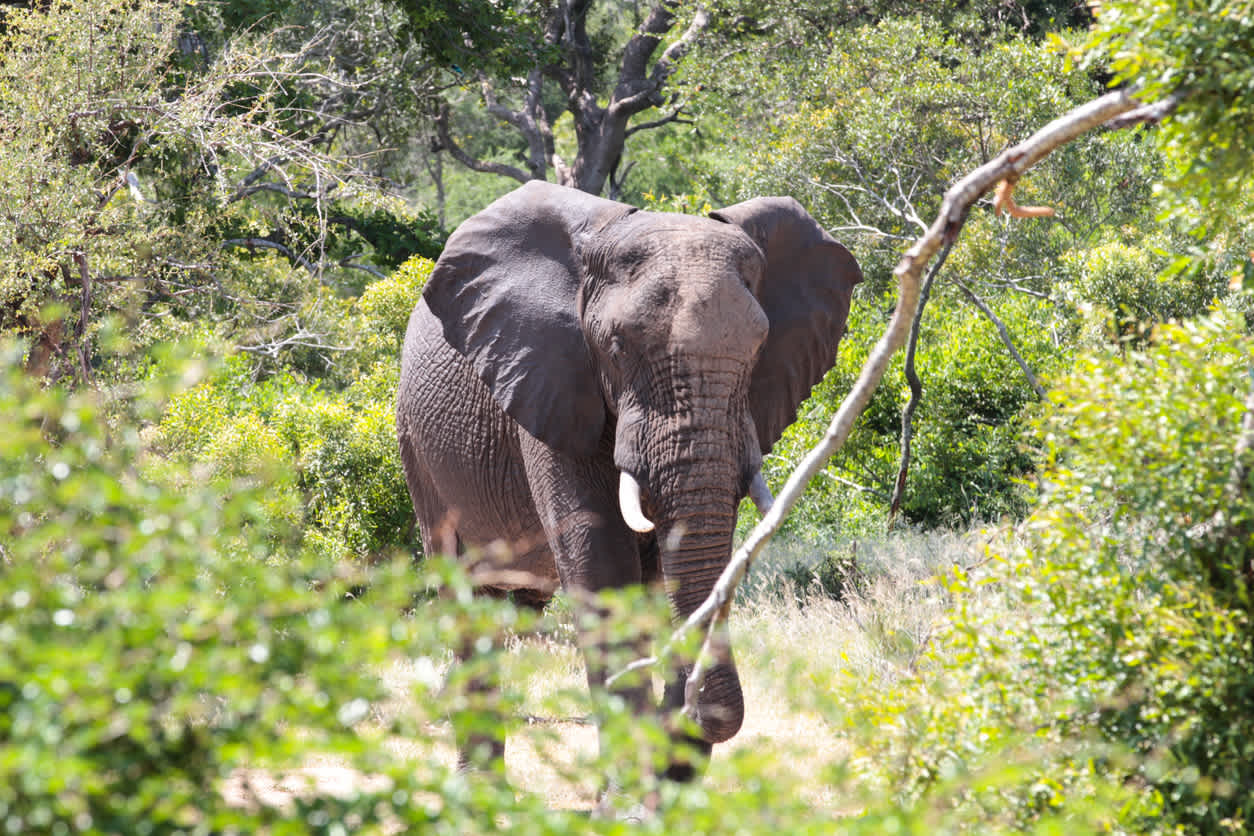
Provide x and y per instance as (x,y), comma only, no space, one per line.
(563,340)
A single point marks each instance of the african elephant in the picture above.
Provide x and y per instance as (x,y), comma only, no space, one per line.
(595,386)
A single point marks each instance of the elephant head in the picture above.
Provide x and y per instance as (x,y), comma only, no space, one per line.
(681,346)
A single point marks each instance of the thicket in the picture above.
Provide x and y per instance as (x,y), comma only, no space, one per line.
(152,181)
(162,669)
(209,281)
(326,444)
(887,116)
(1107,642)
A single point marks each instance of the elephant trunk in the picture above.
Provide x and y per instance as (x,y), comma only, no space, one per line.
(695,550)
(690,477)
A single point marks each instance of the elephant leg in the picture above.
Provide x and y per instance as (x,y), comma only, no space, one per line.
(594,551)
(478,726)
(689,753)
(478,729)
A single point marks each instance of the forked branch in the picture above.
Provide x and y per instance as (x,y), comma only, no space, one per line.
(1009,165)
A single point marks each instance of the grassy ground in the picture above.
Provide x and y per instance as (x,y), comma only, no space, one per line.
(783,637)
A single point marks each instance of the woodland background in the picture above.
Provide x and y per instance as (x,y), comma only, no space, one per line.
(216,217)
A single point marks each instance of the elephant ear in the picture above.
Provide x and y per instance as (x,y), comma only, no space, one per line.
(505,290)
(805,292)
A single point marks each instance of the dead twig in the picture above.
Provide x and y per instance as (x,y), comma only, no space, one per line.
(1004,332)
(1004,201)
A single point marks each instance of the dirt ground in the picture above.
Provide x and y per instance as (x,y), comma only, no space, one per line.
(539,755)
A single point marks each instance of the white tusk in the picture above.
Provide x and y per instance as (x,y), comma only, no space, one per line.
(629,503)
(760,493)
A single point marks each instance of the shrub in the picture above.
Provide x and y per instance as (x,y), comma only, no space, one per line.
(151,655)
(154,660)
(342,492)
(381,315)
(968,458)
(1129,282)
(1104,648)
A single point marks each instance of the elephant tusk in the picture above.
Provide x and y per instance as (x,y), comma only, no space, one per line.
(760,493)
(629,503)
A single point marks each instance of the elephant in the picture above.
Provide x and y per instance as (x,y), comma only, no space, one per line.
(594,386)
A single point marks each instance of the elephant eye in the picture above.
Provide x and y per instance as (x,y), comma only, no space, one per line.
(616,347)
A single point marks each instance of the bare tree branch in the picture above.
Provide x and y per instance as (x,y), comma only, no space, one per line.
(673,54)
(1016,285)
(1004,201)
(957,203)
(858,486)
(617,180)
(1149,114)
(631,71)
(267,244)
(601,130)
(261,170)
(1006,339)
(916,386)
(245,191)
(675,116)
(350,263)
(447,143)
(303,338)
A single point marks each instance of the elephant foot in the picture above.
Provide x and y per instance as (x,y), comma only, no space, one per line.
(688,760)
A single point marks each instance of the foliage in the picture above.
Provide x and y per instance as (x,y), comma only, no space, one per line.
(498,38)
(153,655)
(385,307)
(887,118)
(1104,637)
(143,178)
(393,238)
(969,458)
(1205,53)
(895,113)
(342,490)
(160,667)
(184,553)
(1130,282)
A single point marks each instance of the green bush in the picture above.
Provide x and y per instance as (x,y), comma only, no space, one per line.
(341,491)
(151,656)
(155,659)
(1106,647)
(382,313)
(1129,283)
(968,457)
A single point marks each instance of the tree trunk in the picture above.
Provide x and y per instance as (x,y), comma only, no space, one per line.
(601,131)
